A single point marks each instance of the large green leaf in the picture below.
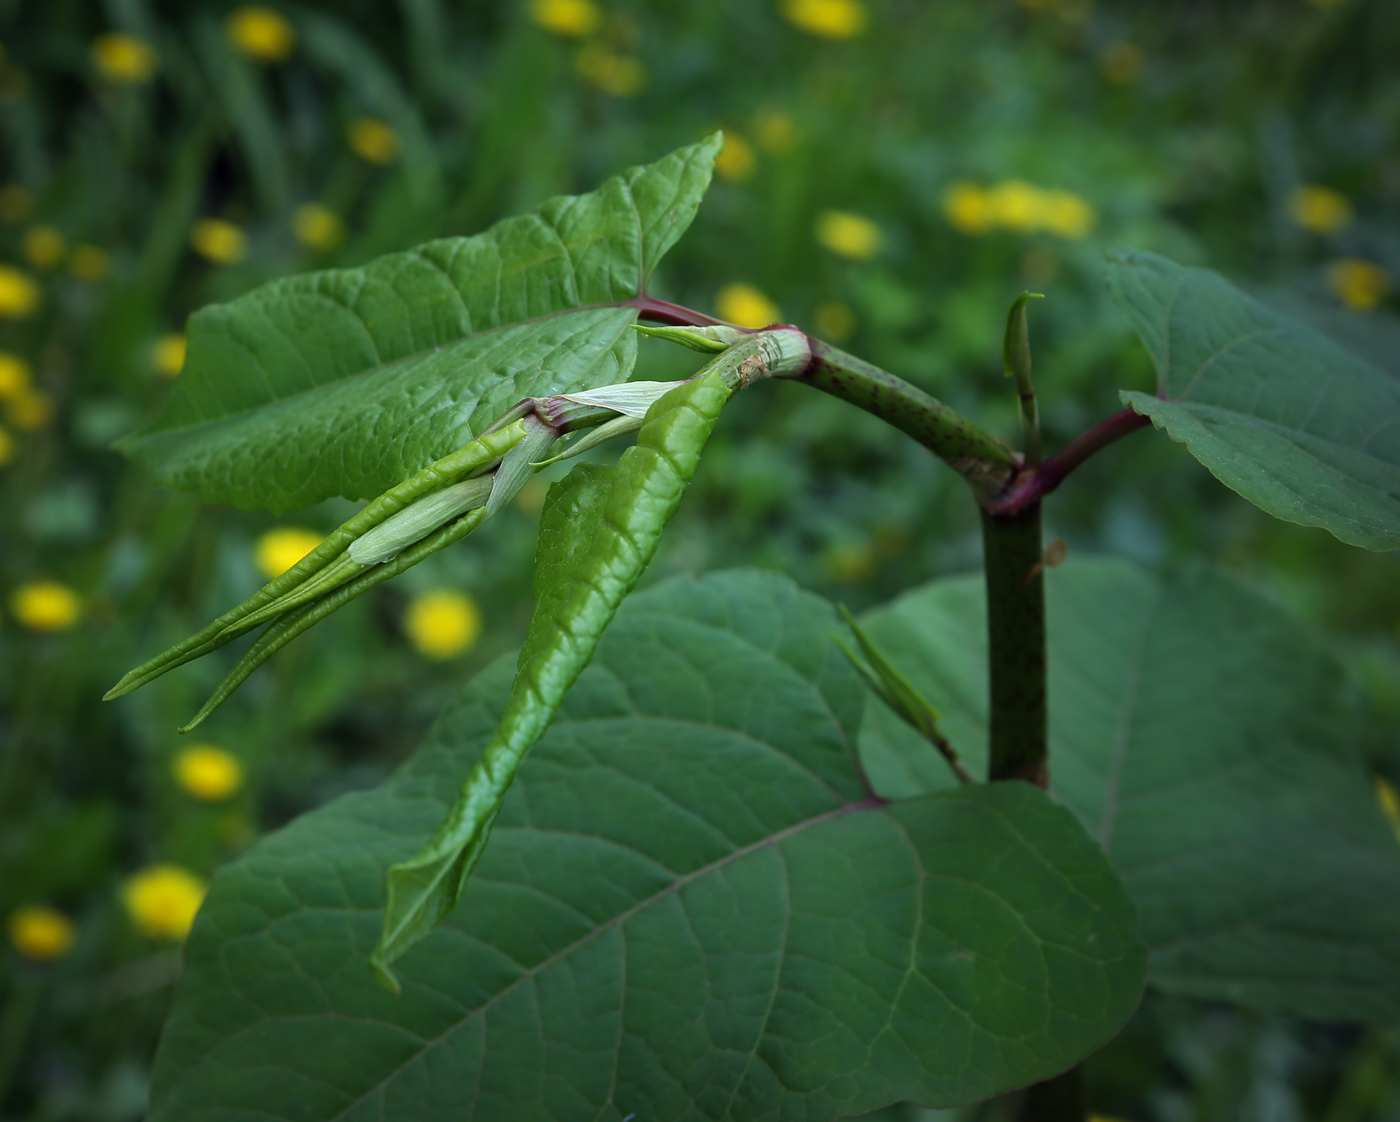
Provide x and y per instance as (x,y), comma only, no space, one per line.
(689,909)
(1297,425)
(1209,743)
(347,381)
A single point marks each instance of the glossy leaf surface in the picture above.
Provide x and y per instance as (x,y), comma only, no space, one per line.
(689,909)
(1206,739)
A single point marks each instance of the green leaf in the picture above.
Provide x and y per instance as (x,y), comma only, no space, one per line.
(596,540)
(1209,743)
(345,382)
(1300,427)
(689,910)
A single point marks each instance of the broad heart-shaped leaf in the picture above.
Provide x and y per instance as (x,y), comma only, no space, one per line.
(1300,427)
(347,381)
(689,909)
(1208,742)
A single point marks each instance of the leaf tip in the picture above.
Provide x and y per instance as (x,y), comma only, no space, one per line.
(382,974)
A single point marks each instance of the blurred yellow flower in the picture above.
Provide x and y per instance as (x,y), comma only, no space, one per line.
(317,227)
(218,241)
(1016,204)
(29,410)
(1066,214)
(1390,803)
(163,899)
(16,204)
(853,562)
(168,355)
(89,262)
(45,605)
(1319,209)
(619,75)
(1358,283)
(831,19)
(19,295)
(261,33)
(834,321)
(736,161)
(745,305)
(42,246)
(775,131)
(40,934)
(124,58)
(442,623)
(1121,63)
(279,549)
(571,18)
(14,375)
(850,235)
(968,208)
(7,447)
(374,141)
(207,772)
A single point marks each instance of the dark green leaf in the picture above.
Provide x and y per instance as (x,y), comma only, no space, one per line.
(1276,411)
(689,910)
(1209,743)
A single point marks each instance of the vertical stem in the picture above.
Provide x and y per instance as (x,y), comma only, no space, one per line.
(1016,645)
(1056,1100)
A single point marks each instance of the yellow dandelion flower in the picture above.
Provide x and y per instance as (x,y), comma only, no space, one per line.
(45,605)
(89,262)
(775,131)
(442,623)
(374,141)
(830,19)
(124,58)
(16,204)
(1390,803)
(1066,214)
(168,355)
(7,447)
(19,295)
(747,306)
(163,899)
(29,410)
(1122,63)
(736,161)
(619,75)
(14,376)
(207,772)
(218,241)
(42,247)
(279,549)
(261,33)
(571,18)
(968,208)
(1319,209)
(850,235)
(1358,283)
(1016,204)
(834,321)
(317,227)
(41,934)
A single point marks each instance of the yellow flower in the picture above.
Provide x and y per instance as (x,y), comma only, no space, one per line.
(831,19)
(1319,209)
(850,235)
(571,18)
(19,295)
(261,33)
(736,161)
(1390,803)
(14,375)
(7,447)
(89,262)
(42,247)
(1016,204)
(41,934)
(834,320)
(1121,63)
(1066,214)
(1358,283)
(123,58)
(168,355)
(218,241)
(29,410)
(207,772)
(317,227)
(281,548)
(619,75)
(374,141)
(745,305)
(15,203)
(442,623)
(45,605)
(968,208)
(162,900)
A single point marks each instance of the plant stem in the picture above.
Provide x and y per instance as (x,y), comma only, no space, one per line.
(1056,1100)
(1035,485)
(1016,645)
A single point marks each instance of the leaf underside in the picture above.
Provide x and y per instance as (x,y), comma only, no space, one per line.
(1205,738)
(1278,412)
(689,910)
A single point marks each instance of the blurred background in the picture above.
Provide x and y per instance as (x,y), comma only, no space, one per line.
(895,172)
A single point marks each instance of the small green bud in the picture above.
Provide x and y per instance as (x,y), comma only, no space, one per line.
(708,340)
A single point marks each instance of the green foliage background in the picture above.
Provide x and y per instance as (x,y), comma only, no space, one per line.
(1235,106)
